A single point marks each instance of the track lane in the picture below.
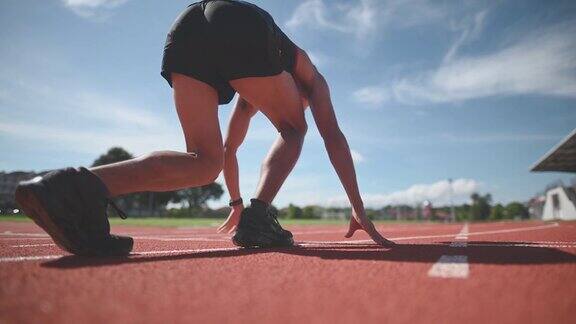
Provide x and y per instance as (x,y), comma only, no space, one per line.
(510,281)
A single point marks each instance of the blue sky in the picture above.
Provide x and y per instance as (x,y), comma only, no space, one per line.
(476,91)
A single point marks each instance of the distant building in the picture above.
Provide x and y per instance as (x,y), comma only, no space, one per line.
(335,213)
(560,204)
(536,206)
(560,201)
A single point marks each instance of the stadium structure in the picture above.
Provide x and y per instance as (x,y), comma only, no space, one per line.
(560,201)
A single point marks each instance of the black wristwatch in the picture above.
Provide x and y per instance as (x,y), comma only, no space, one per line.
(236,202)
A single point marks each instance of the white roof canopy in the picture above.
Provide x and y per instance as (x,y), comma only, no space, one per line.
(561,158)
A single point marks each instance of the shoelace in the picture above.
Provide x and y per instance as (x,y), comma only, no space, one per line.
(274,217)
(117,209)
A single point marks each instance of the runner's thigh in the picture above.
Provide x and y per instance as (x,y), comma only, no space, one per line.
(197,106)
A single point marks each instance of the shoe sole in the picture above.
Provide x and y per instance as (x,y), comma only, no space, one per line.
(242,239)
(32,204)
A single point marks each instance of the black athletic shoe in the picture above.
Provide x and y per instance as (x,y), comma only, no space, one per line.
(70,205)
(260,228)
(285,233)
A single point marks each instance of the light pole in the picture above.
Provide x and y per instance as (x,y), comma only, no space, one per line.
(451,193)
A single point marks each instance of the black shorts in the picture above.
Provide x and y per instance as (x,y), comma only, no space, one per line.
(215,41)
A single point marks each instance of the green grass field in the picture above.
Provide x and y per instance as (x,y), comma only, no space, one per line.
(181,222)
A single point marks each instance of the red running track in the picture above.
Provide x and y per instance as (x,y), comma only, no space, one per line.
(514,272)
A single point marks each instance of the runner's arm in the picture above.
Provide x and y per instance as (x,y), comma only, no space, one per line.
(318,94)
(335,142)
(237,129)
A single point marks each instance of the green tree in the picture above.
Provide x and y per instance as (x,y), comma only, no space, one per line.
(115,154)
(148,202)
(196,198)
(498,212)
(294,212)
(462,212)
(480,209)
(516,210)
(310,212)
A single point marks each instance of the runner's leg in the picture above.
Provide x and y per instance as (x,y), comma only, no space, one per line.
(197,106)
(278,98)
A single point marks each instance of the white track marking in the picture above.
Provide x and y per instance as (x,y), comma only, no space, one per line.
(403,238)
(450,266)
(133,255)
(545,244)
(453,244)
(303,244)
(29,258)
(511,230)
(9,233)
(189,251)
(25,238)
(175,239)
(176,236)
(463,235)
(33,245)
(453,266)
(382,229)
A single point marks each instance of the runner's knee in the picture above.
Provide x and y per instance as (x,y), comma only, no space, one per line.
(213,167)
(297,130)
(212,162)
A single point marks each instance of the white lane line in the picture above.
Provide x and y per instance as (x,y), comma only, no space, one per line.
(403,238)
(174,235)
(561,244)
(133,255)
(30,258)
(10,233)
(32,245)
(450,266)
(518,229)
(175,239)
(463,235)
(25,238)
(511,230)
(382,229)
(453,266)
(303,244)
(453,244)
(189,251)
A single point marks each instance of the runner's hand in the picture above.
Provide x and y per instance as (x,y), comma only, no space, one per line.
(361,222)
(232,221)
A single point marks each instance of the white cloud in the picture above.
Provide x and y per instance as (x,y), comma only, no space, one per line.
(363,18)
(84,122)
(92,8)
(358,19)
(540,63)
(438,193)
(112,111)
(74,139)
(357,157)
(373,96)
(471,28)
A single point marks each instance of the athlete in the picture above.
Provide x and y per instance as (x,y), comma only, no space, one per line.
(214,49)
